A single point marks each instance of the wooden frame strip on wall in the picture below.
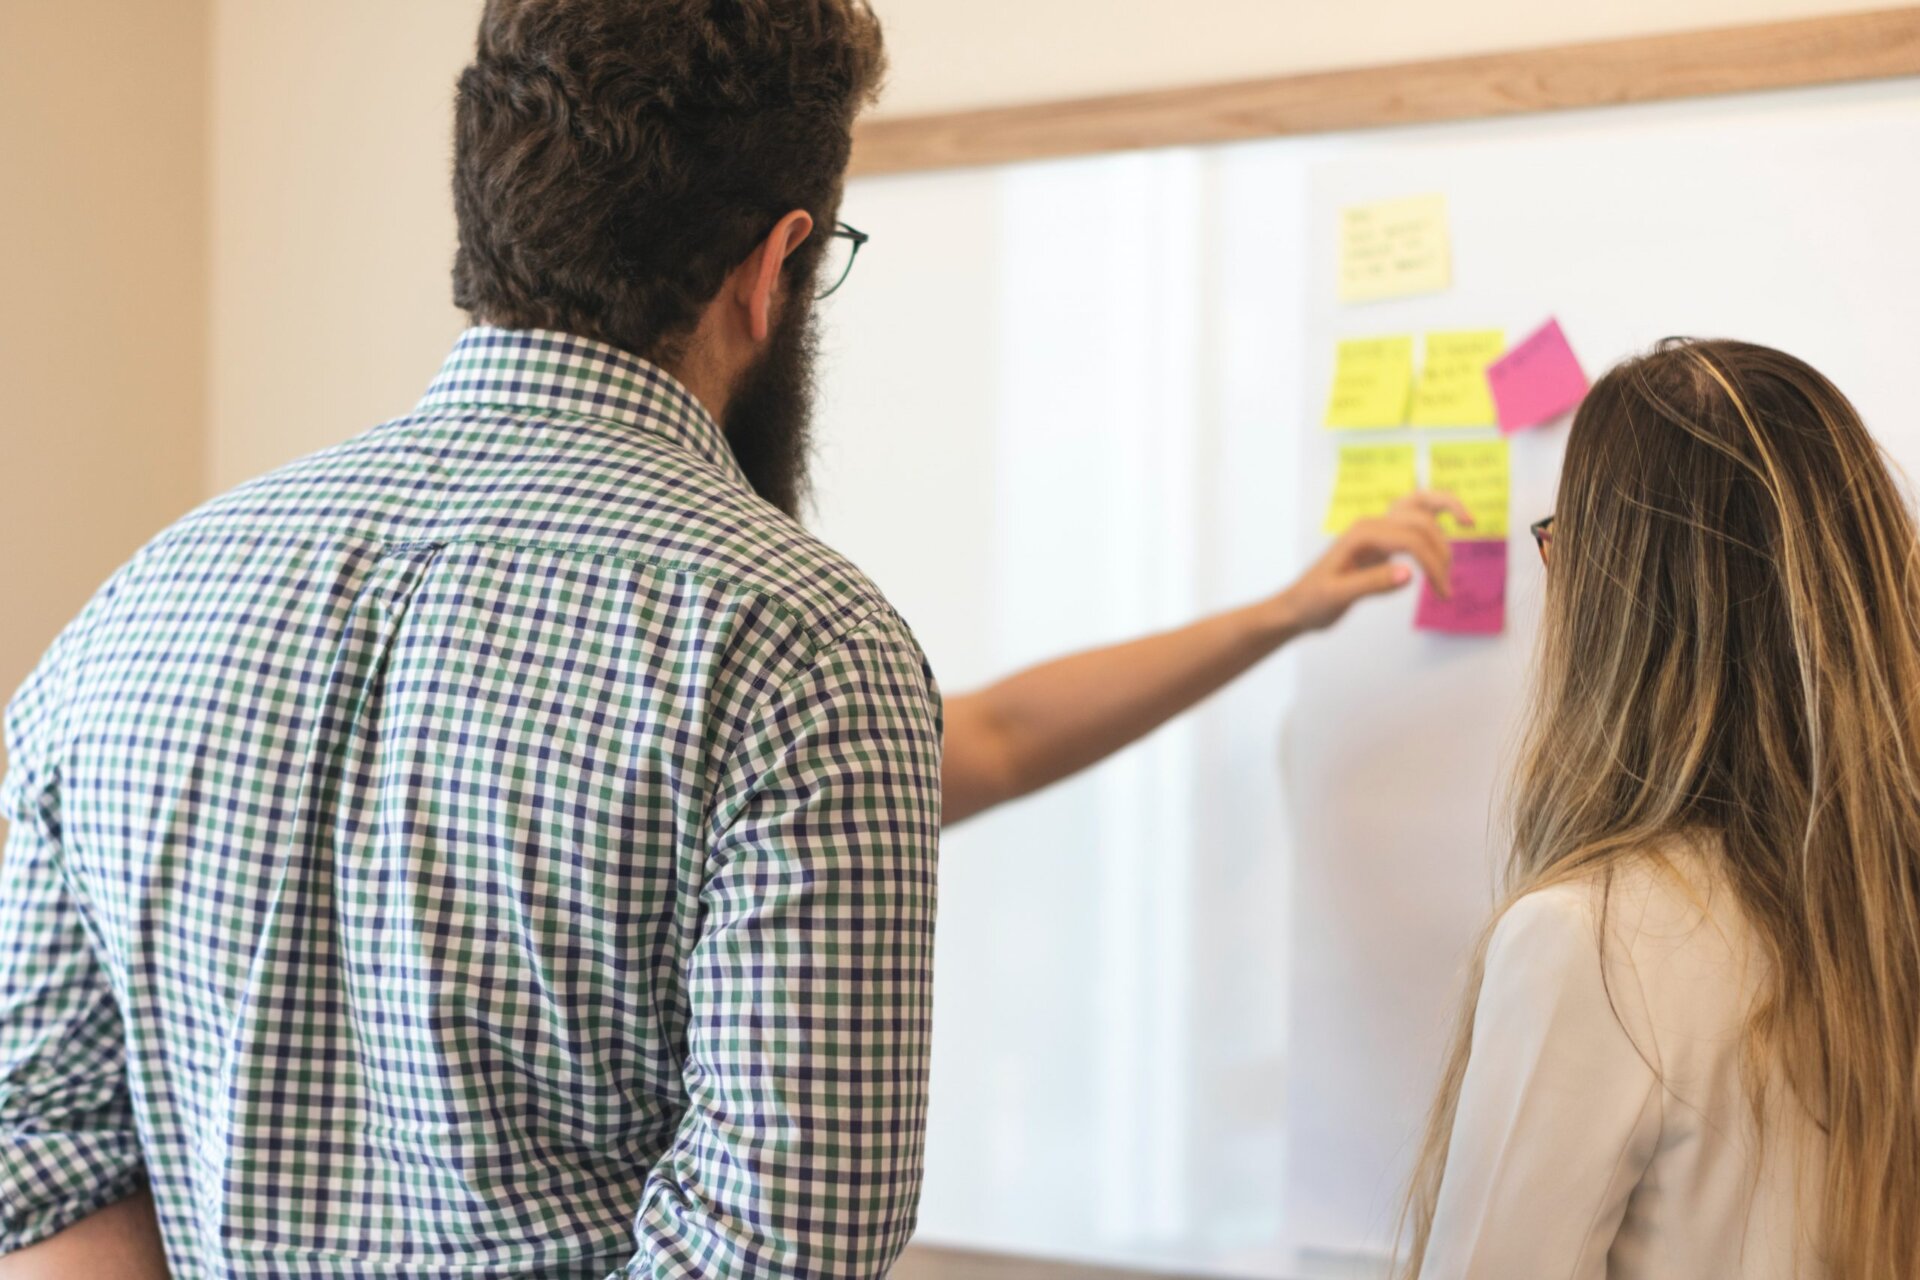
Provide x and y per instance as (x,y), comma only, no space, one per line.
(1855,46)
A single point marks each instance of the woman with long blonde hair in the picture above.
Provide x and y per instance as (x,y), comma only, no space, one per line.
(1695,1049)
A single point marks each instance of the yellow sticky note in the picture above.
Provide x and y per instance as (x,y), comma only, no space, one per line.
(1372,478)
(1476,473)
(1452,390)
(1372,383)
(1394,249)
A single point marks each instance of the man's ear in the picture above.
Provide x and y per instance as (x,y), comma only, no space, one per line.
(759,283)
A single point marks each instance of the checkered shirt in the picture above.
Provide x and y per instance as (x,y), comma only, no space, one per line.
(499,845)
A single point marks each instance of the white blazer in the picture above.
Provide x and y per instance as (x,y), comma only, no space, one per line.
(1605,1127)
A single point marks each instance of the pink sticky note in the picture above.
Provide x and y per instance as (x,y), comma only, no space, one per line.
(1537,381)
(1478,606)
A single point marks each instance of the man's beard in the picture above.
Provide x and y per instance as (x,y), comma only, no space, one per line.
(769,418)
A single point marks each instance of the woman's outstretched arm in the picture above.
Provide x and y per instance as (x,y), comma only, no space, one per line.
(1050,722)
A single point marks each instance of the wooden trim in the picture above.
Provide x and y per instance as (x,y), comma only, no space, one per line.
(925,1262)
(1825,50)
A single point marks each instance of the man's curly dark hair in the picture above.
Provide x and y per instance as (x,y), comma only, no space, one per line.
(615,159)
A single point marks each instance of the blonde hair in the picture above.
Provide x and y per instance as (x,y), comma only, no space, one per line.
(1731,654)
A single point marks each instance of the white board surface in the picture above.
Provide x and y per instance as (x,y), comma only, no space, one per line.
(1189,1006)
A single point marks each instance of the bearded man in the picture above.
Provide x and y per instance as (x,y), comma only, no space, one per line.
(503,844)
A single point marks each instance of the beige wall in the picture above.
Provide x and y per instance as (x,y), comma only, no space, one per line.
(332,222)
(333,235)
(103,270)
(960,53)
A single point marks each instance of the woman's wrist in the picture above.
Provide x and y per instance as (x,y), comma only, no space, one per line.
(1275,621)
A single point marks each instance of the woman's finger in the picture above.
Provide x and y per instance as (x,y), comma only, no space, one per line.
(1376,581)
(1433,503)
(1413,536)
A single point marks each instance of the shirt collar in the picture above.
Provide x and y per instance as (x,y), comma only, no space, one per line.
(554,372)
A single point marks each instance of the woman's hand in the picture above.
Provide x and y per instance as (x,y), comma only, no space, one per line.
(1365,561)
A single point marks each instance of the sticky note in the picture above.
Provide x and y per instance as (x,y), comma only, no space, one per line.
(1372,383)
(1476,472)
(1537,381)
(1394,249)
(1452,391)
(1478,605)
(1371,479)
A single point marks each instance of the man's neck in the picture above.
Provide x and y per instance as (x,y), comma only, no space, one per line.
(702,383)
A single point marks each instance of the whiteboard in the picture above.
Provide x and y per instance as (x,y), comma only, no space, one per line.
(1189,1007)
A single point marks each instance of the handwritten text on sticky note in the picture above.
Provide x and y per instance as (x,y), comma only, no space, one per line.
(1478,605)
(1371,479)
(1476,472)
(1452,391)
(1537,381)
(1394,248)
(1372,383)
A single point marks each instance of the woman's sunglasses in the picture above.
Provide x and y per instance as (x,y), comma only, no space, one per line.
(1543,537)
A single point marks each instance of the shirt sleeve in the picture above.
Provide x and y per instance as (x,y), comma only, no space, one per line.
(1559,1112)
(810,986)
(68,1143)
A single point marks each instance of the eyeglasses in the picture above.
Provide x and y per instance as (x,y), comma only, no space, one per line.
(1543,536)
(843,246)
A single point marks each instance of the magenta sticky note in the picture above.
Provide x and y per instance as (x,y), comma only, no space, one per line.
(1478,606)
(1536,381)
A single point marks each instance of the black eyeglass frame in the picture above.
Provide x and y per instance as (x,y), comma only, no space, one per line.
(1542,531)
(858,238)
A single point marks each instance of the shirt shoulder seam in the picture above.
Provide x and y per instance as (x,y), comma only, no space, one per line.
(822,631)
(822,628)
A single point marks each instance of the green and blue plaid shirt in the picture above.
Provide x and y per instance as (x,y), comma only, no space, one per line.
(499,845)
